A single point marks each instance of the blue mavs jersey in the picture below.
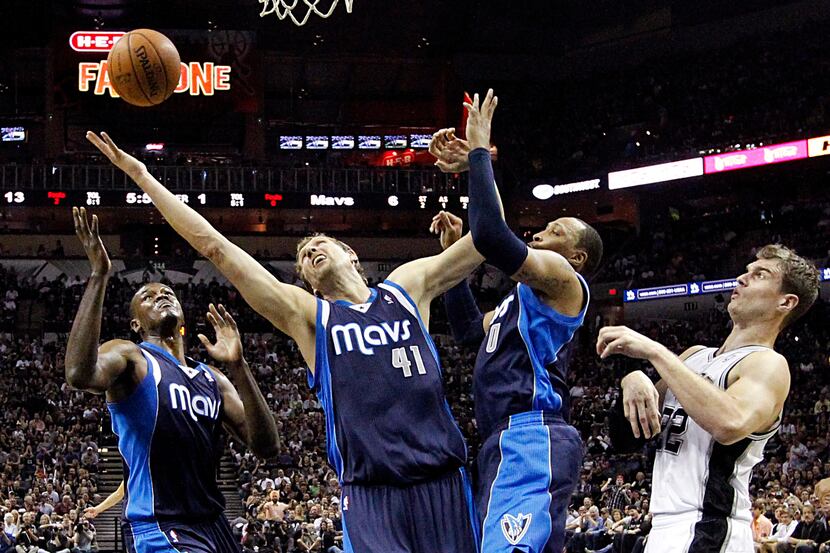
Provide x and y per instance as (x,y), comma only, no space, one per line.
(379,381)
(169,434)
(515,370)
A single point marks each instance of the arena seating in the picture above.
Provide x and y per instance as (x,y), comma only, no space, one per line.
(39,409)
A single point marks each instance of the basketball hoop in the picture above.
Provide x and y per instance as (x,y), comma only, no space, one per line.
(285,9)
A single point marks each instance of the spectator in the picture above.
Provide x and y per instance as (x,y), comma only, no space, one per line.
(761,525)
(808,534)
(617,495)
(84,538)
(780,532)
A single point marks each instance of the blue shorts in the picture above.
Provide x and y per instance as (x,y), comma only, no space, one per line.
(437,516)
(180,537)
(528,470)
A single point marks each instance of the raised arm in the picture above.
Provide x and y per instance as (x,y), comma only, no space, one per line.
(543,270)
(86,366)
(246,413)
(427,278)
(465,318)
(289,308)
(750,403)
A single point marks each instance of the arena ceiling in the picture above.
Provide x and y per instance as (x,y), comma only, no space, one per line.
(423,28)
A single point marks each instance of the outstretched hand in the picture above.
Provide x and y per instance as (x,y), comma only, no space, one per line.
(448,226)
(621,340)
(228,346)
(479,120)
(91,240)
(116,155)
(450,151)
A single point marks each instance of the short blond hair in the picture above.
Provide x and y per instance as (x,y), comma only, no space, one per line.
(298,268)
(799,277)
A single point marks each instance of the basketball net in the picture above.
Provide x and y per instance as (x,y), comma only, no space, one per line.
(285,9)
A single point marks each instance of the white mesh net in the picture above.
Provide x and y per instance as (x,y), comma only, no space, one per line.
(304,9)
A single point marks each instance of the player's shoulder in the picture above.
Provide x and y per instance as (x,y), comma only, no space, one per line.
(691,351)
(222,381)
(767,361)
(549,264)
(763,366)
(118,346)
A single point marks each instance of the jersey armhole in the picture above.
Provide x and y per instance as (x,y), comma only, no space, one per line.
(406,300)
(541,306)
(700,349)
(320,345)
(153,371)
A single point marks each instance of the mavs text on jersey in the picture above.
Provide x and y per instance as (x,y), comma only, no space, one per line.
(397,450)
(169,434)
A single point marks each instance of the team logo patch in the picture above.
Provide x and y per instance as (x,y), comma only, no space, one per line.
(174,536)
(345,502)
(515,528)
(189,371)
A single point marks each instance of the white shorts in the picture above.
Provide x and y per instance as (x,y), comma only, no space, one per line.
(674,534)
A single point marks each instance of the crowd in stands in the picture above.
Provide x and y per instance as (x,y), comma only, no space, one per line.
(292,502)
(716,242)
(48,451)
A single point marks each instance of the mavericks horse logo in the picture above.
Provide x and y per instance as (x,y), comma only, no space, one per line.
(515,528)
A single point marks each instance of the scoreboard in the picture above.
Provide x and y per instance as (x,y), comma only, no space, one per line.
(247,200)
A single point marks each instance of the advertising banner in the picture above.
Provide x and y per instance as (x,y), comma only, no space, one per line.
(742,159)
(656,173)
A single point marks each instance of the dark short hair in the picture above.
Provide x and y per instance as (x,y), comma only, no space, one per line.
(591,243)
(799,277)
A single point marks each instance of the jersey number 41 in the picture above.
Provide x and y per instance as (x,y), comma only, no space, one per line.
(400,360)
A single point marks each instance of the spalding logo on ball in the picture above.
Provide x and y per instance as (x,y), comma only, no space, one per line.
(144,67)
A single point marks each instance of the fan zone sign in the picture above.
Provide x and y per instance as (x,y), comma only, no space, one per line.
(197,79)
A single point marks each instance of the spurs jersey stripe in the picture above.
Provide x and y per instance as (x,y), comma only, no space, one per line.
(696,476)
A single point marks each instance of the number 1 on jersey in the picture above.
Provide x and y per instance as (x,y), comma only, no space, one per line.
(400,360)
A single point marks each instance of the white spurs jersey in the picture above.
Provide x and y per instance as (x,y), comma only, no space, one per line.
(693,474)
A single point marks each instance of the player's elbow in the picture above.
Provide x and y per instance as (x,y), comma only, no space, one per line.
(267,451)
(488,238)
(729,433)
(267,448)
(212,248)
(77,378)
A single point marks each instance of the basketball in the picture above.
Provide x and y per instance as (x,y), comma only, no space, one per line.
(144,67)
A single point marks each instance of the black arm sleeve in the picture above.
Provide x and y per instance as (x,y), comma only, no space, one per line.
(491,235)
(466,321)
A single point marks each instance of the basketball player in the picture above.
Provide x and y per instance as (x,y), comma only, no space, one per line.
(167,410)
(720,406)
(530,458)
(397,451)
